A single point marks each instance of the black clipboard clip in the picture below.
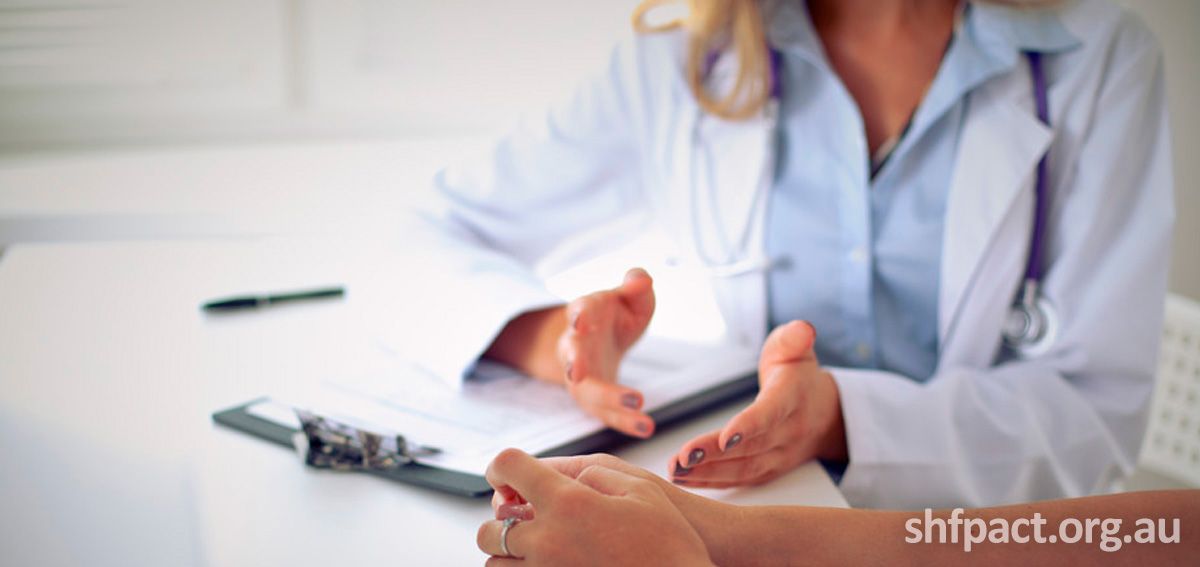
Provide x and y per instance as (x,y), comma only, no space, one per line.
(324,443)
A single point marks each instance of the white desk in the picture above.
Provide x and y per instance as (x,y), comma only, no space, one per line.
(108,374)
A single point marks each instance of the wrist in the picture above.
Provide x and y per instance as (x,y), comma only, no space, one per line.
(718,524)
(833,446)
(529,343)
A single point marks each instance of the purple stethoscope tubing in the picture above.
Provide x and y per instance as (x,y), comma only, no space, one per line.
(1031,321)
(1033,271)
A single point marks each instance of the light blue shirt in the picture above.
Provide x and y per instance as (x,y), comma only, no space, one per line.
(861,255)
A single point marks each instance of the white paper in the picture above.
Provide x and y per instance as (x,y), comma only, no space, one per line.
(499,407)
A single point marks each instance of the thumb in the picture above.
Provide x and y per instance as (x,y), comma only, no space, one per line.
(606,481)
(637,292)
(788,343)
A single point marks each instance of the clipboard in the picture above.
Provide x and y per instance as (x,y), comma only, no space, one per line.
(463,484)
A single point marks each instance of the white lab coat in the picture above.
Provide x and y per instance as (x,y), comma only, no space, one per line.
(985,429)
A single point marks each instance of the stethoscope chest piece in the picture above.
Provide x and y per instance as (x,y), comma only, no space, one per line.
(1031,326)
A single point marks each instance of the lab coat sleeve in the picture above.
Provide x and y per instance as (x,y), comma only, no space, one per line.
(1069,422)
(492,216)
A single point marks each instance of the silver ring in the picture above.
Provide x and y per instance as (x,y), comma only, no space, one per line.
(509,522)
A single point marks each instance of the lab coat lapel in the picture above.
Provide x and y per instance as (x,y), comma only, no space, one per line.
(735,156)
(721,198)
(729,167)
(987,225)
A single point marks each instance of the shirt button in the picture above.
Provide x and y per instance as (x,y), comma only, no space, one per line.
(858,255)
(863,351)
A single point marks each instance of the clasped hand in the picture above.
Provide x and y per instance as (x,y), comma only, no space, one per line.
(591,510)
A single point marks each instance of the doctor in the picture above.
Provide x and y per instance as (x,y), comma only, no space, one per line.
(957,321)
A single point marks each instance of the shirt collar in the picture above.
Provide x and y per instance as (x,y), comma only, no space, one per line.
(1004,32)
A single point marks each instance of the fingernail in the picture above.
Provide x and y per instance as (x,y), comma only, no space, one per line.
(733,441)
(695,457)
(679,481)
(520,511)
(574,322)
(642,427)
(631,401)
(682,470)
(570,366)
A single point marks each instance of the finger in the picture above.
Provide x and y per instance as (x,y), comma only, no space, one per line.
(607,481)
(742,471)
(505,495)
(718,484)
(771,408)
(531,479)
(696,451)
(615,405)
(503,562)
(701,484)
(572,466)
(741,450)
(518,511)
(583,314)
(607,395)
(568,354)
(637,292)
(788,343)
(582,358)
(489,534)
(579,362)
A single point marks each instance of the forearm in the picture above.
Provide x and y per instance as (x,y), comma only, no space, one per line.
(529,343)
(790,535)
(1104,520)
(797,535)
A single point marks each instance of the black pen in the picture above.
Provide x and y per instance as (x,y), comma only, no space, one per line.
(254,301)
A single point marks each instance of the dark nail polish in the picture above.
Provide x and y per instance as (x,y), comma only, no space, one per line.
(695,457)
(631,401)
(642,427)
(733,441)
(682,470)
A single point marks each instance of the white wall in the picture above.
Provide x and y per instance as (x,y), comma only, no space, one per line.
(98,72)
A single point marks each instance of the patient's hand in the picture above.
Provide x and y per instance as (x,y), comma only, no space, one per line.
(601,327)
(716,522)
(796,417)
(582,513)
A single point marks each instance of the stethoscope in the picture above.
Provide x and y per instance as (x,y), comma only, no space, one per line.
(1031,324)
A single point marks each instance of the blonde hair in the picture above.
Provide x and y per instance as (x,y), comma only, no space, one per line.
(714,25)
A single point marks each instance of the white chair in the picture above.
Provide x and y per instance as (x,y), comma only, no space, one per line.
(1170,455)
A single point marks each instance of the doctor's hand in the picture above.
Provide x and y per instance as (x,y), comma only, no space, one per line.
(582,344)
(601,327)
(796,417)
(583,515)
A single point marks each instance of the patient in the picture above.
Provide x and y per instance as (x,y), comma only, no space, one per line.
(600,510)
